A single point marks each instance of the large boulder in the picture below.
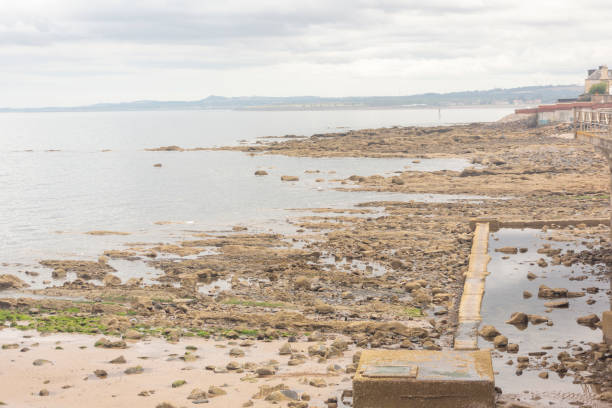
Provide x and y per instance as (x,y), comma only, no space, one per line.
(11,282)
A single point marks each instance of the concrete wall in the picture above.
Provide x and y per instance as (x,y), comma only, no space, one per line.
(556,116)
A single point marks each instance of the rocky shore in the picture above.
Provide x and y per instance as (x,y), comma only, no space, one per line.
(385,274)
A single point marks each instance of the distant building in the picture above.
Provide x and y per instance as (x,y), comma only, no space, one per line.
(598,76)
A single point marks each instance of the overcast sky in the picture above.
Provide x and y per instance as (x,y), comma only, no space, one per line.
(70,52)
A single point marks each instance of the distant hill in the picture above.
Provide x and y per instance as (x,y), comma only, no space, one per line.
(529,95)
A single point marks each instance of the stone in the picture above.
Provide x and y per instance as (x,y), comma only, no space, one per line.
(43,393)
(531,276)
(290,178)
(488,332)
(526,294)
(105,343)
(518,318)
(500,341)
(101,373)
(265,371)
(537,319)
(323,308)
(606,326)
(589,320)
(178,383)
(11,282)
(507,250)
(302,282)
(512,348)
(111,280)
(543,375)
(551,293)
(134,370)
(236,352)
(317,382)
(132,334)
(285,349)
(214,391)
(165,405)
(261,173)
(558,303)
(118,360)
(197,394)
(40,362)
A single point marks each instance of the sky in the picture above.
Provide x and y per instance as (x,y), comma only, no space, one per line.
(71,52)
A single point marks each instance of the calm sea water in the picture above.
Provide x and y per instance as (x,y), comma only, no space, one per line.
(49,199)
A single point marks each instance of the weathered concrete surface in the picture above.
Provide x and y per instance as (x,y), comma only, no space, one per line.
(495,225)
(606,326)
(466,337)
(421,378)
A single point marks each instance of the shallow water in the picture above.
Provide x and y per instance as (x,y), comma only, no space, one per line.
(50,199)
(503,296)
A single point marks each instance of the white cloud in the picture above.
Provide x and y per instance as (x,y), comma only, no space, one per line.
(64,52)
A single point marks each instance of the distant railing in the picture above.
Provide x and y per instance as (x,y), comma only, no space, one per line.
(593,122)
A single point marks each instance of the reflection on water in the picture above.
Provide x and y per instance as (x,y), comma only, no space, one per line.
(504,296)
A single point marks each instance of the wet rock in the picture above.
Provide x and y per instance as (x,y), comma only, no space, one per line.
(488,332)
(542,263)
(500,341)
(563,303)
(589,320)
(507,250)
(518,318)
(531,276)
(526,294)
(290,178)
(11,282)
(261,173)
(101,373)
(551,293)
(537,319)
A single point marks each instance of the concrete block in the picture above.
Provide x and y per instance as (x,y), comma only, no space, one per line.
(606,326)
(424,379)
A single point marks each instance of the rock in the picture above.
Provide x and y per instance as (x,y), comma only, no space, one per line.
(111,280)
(302,282)
(412,286)
(575,294)
(563,303)
(118,360)
(43,393)
(39,362)
(488,332)
(100,373)
(290,178)
(317,382)
(105,343)
(605,396)
(215,391)
(265,371)
(397,180)
(233,365)
(518,318)
(542,263)
(526,294)
(551,293)
(543,375)
(285,349)
(589,320)
(134,370)
(261,173)
(236,352)
(500,341)
(421,297)
(58,273)
(165,405)
(323,308)
(512,348)
(537,319)
(197,394)
(507,250)
(132,334)
(178,383)
(531,276)
(11,346)
(11,282)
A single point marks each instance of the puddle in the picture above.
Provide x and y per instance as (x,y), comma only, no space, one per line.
(504,296)
(372,269)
